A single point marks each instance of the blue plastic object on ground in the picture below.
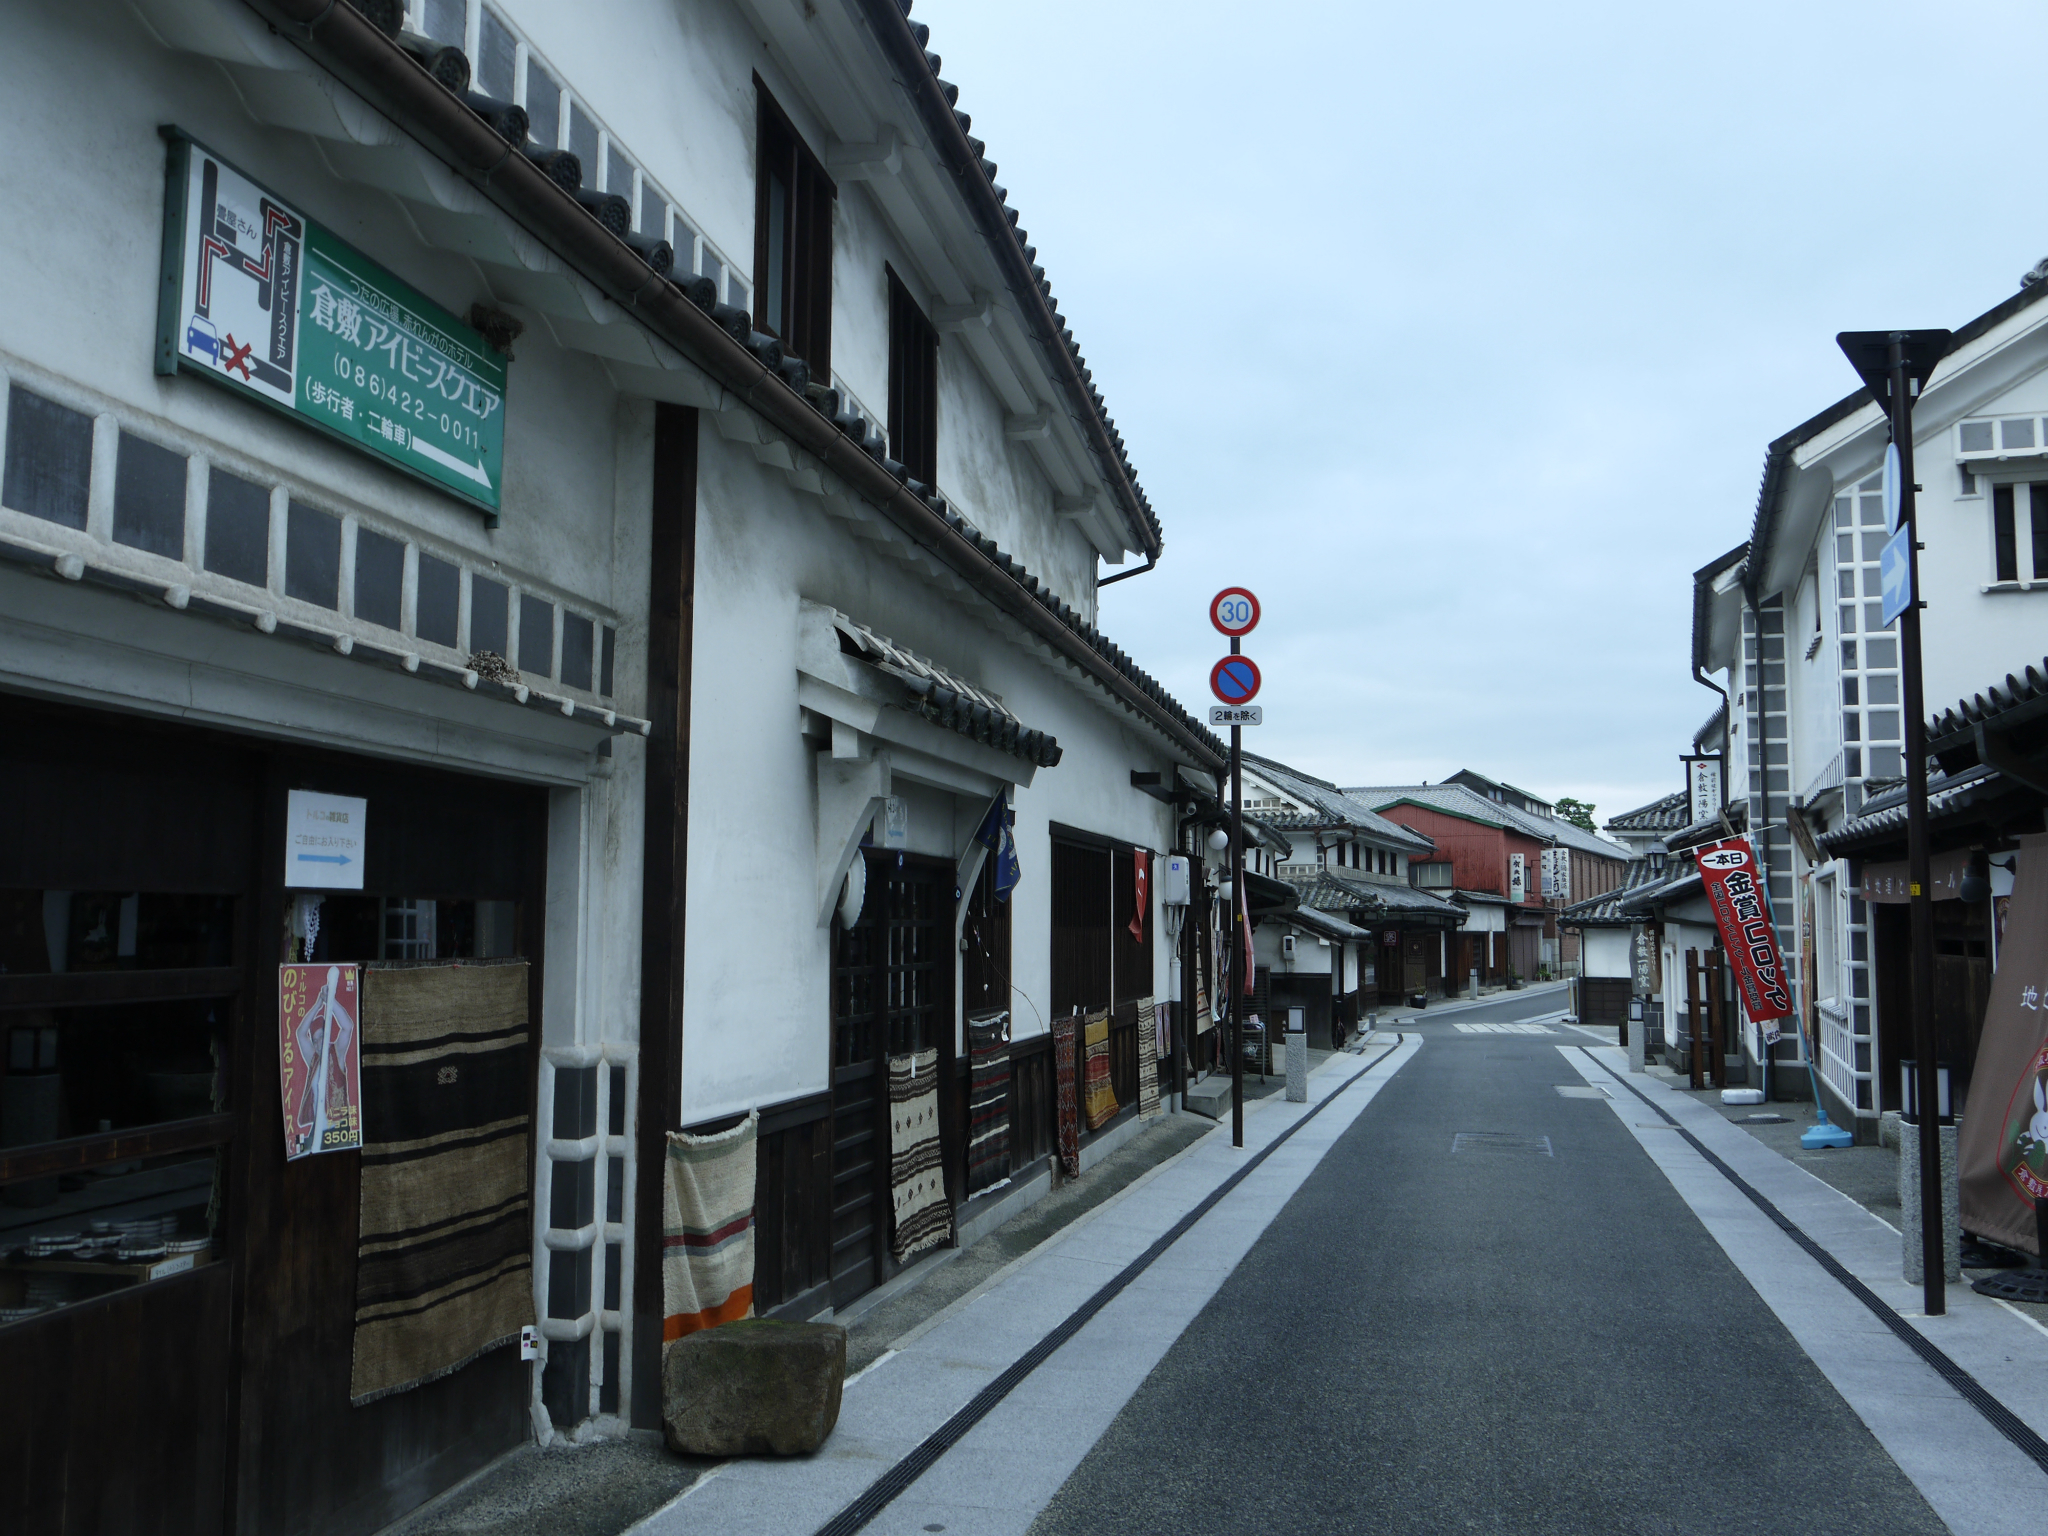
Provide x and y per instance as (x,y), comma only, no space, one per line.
(1822,1134)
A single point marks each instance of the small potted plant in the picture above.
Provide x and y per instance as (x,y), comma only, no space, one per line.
(1514,980)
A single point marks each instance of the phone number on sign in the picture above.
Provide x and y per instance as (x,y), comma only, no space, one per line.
(404,402)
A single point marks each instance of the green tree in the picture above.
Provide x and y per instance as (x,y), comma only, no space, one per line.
(1577,812)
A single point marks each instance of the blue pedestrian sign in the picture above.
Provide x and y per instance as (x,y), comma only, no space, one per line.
(1895,573)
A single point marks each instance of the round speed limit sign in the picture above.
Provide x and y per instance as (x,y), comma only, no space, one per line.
(1234,611)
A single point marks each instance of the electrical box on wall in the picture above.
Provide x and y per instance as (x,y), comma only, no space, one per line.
(1173,879)
(1287,946)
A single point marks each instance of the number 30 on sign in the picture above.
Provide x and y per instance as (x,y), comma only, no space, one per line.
(1234,611)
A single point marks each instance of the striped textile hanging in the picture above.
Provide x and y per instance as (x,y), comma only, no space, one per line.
(1148,1060)
(707,1228)
(988,1102)
(444,1245)
(1065,1055)
(917,1173)
(1100,1101)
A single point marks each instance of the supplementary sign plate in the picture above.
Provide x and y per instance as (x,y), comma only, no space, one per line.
(1237,714)
(1235,680)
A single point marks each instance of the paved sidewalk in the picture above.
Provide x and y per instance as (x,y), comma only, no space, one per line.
(604,1486)
(1977,1480)
(1006,1467)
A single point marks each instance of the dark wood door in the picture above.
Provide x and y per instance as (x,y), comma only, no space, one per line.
(892,994)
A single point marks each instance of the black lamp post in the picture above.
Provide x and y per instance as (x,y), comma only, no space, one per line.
(1894,366)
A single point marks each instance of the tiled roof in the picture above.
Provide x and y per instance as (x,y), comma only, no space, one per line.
(945,699)
(1737,814)
(793,374)
(1665,815)
(1886,813)
(1458,800)
(1337,808)
(1607,909)
(1331,891)
(1714,722)
(2018,698)
(1330,927)
(1054,333)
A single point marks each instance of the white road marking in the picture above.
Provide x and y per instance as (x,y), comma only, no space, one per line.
(1501,1029)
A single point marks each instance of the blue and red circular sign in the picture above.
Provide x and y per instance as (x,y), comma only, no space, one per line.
(1234,611)
(1235,679)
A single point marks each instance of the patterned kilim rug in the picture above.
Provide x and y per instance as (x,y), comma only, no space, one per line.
(988,1101)
(707,1228)
(1099,1102)
(917,1174)
(444,1245)
(1065,1036)
(1148,1060)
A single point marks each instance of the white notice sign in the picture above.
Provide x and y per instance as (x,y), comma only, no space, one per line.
(323,841)
(1237,714)
(1703,787)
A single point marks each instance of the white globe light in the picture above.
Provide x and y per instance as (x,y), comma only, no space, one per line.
(1226,889)
(1219,840)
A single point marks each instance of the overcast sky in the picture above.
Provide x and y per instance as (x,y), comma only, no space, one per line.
(1458,334)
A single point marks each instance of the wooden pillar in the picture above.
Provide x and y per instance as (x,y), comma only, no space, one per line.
(672,579)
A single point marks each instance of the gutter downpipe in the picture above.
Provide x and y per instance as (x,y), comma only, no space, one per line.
(1151,560)
(342,41)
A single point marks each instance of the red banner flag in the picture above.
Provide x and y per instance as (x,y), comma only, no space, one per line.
(1742,913)
(1251,968)
(1142,864)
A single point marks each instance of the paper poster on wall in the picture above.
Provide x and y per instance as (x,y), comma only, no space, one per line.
(319,1058)
(324,837)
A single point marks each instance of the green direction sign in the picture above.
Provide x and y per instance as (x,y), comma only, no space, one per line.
(260,298)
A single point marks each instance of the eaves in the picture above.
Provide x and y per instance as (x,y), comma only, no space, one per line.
(340,40)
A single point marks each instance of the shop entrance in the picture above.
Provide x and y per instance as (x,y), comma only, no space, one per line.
(892,994)
(178,1302)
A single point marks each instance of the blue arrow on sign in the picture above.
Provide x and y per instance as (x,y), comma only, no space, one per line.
(323,858)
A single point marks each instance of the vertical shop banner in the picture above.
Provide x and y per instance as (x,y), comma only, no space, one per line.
(1742,913)
(2002,1144)
(1141,864)
(258,297)
(319,1058)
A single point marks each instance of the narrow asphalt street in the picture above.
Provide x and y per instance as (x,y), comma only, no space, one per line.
(1487,1309)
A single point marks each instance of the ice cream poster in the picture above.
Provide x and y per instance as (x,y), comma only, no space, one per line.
(319,1058)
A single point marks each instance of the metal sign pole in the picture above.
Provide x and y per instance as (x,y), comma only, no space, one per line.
(1932,1258)
(1240,905)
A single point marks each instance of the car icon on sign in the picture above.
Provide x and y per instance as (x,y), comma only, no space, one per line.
(200,337)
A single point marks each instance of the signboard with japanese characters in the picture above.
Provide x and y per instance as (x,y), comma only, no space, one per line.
(1557,874)
(319,1059)
(1742,914)
(1702,787)
(1518,877)
(324,837)
(259,298)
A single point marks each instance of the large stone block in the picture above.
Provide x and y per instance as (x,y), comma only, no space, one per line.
(752,1387)
(1909,1202)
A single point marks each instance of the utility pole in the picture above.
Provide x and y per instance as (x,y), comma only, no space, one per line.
(1895,365)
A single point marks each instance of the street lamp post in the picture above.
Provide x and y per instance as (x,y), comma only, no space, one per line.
(1895,365)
